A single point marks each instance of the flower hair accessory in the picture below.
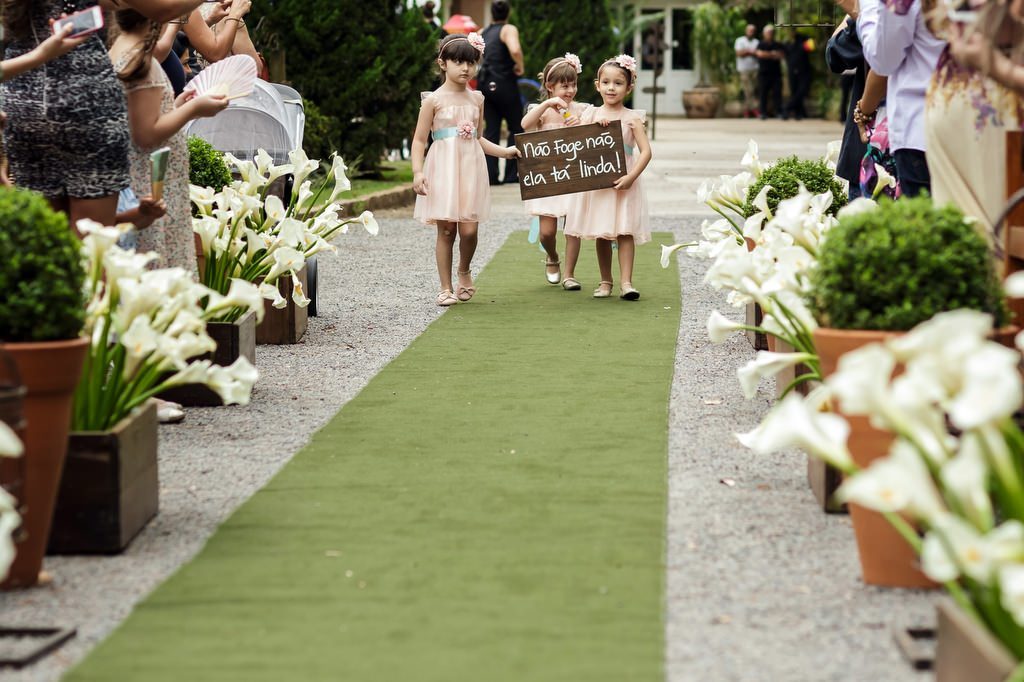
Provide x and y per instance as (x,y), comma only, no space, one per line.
(476,41)
(573,61)
(473,39)
(626,62)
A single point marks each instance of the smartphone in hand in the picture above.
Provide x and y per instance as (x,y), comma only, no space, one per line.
(83,23)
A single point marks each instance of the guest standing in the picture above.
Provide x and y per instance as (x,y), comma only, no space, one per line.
(71,148)
(898,44)
(798,63)
(843,52)
(502,66)
(769,71)
(746,66)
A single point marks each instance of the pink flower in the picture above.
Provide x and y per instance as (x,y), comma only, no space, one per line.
(476,41)
(626,62)
(574,62)
(467,131)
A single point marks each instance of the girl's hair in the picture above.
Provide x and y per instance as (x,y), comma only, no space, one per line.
(612,62)
(458,49)
(556,71)
(128,20)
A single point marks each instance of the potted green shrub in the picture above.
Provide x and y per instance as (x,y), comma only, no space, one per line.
(714,30)
(42,310)
(785,176)
(880,273)
(206,165)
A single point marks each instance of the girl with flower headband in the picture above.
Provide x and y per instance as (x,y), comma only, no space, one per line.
(556,110)
(452,182)
(618,214)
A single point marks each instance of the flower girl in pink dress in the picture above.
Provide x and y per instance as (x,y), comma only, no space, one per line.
(452,184)
(559,79)
(618,214)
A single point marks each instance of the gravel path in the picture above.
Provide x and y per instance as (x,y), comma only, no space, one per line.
(376,296)
(762,585)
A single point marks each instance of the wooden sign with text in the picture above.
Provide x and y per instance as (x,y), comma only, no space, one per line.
(568,160)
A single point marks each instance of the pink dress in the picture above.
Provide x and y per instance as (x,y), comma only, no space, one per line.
(455,168)
(609,213)
(556,206)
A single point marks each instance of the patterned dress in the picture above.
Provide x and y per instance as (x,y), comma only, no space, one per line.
(67,127)
(170,236)
(966,121)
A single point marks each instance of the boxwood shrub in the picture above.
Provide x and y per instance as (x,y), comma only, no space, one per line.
(41,272)
(785,178)
(899,265)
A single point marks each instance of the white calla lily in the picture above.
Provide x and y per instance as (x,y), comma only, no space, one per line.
(1011,590)
(369,223)
(720,328)
(767,364)
(792,423)
(10,444)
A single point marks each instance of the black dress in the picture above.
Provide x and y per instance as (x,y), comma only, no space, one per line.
(67,127)
(843,52)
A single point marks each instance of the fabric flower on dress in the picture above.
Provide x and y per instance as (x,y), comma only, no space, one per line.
(626,62)
(574,62)
(467,131)
(476,41)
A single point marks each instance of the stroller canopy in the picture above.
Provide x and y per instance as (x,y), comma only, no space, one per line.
(271,118)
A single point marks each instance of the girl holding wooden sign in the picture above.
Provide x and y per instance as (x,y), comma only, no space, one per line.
(557,110)
(618,214)
(451,181)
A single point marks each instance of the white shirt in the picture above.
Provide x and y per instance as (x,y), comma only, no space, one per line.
(744,64)
(900,46)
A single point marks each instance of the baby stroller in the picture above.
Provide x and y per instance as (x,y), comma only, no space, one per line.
(271,118)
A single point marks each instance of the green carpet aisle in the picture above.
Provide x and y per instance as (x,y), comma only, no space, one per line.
(490,507)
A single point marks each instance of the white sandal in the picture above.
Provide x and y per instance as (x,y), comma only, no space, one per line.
(446,298)
(571,284)
(603,291)
(628,293)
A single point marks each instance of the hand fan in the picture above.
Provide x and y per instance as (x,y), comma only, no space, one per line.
(233,77)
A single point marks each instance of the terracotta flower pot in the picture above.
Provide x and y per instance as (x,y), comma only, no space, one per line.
(50,372)
(885,557)
(702,102)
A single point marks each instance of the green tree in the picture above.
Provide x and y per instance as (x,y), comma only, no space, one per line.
(550,28)
(362,63)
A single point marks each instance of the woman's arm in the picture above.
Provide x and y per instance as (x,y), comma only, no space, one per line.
(640,135)
(216,46)
(244,45)
(510,36)
(55,46)
(157,10)
(874,93)
(151,128)
(419,145)
(166,42)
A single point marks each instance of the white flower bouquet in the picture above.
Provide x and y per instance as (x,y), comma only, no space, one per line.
(10,520)
(146,327)
(246,234)
(956,467)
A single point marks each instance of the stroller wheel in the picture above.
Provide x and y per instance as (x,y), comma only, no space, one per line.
(311,287)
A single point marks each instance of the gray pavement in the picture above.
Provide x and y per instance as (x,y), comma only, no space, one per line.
(760,584)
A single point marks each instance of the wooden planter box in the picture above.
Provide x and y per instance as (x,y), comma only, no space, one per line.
(753,319)
(966,651)
(286,325)
(234,340)
(110,488)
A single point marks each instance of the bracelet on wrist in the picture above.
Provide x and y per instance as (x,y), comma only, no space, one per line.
(240,21)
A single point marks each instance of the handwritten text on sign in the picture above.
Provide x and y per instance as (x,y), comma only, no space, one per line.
(568,160)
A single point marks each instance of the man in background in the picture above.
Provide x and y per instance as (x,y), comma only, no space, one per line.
(746,66)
